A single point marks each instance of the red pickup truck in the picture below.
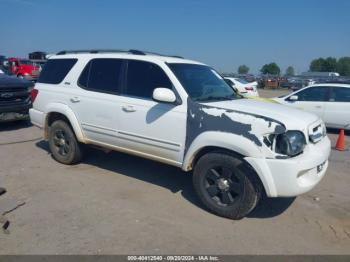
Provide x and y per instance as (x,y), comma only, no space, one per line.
(23,68)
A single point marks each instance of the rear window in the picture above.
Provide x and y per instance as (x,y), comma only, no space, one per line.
(242,81)
(55,70)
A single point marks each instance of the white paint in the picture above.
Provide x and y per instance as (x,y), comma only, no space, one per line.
(334,114)
(158,130)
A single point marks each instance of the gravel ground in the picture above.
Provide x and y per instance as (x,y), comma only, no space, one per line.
(120,204)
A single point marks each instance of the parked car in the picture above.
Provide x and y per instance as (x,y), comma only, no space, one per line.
(182,113)
(2,64)
(243,87)
(2,59)
(15,99)
(23,68)
(38,57)
(331,102)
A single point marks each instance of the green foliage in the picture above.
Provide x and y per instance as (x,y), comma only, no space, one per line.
(290,71)
(317,65)
(324,65)
(243,69)
(331,64)
(271,69)
(343,66)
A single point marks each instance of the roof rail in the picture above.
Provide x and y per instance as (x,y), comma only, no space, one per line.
(91,51)
(98,51)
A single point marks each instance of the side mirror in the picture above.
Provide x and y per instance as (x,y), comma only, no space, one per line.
(165,95)
(293,98)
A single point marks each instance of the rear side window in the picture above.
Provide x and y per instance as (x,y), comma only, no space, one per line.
(102,75)
(340,94)
(143,77)
(55,70)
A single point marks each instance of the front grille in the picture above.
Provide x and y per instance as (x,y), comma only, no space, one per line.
(13,89)
(14,95)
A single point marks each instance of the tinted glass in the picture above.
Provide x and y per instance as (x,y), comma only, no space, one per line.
(143,78)
(319,93)
(340,94)
(202,83)
(55,70)
(101,75)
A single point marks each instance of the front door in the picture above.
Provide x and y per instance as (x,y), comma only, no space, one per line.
(311,100)
(152,128)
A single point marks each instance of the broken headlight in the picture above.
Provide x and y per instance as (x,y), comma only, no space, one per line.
(290,143)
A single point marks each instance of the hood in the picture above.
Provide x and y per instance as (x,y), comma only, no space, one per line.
(292,119)
(13,81)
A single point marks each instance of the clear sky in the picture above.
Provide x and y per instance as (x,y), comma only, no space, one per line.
(222,33)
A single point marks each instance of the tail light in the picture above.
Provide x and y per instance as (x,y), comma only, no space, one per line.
(249,88)
(33,94)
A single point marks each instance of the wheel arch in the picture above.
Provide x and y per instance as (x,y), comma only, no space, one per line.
(63,112)
(212,140)
(242,148)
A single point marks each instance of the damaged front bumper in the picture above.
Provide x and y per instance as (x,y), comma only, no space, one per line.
(293,176)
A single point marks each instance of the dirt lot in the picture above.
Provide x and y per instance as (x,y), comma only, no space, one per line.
(120,204)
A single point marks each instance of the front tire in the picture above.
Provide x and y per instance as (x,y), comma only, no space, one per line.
(226,185)
(63,144)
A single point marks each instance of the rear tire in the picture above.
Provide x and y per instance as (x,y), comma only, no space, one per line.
(63,144)
(226,185)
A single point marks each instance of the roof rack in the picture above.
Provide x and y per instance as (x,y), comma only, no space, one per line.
(91,51)
(98,51)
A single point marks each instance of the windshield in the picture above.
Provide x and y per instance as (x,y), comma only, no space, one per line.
(203,83)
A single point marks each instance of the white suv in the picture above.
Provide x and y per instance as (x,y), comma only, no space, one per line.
(182,113)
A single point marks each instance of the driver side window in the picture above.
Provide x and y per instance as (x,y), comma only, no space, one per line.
(316,94)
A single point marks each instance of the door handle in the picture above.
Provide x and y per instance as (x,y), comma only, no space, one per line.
(75,99)
(318,106)
(128,108)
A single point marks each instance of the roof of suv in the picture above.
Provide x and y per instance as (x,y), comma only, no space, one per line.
(131,54)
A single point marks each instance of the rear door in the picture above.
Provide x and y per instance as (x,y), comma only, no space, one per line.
(96,102)
(337,109)
(311,99)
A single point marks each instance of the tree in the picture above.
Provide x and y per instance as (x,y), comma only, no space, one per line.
(290,71)
(343,66)
(272,69)
(243,69)
(317,65)
(323,65)
(331,64)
